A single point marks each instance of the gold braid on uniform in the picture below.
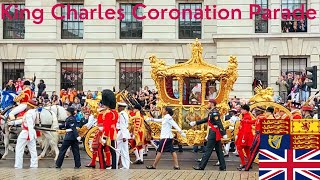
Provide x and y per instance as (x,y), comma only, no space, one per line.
(19,97)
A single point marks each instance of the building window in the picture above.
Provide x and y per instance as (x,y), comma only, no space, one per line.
(289,24)
(261,25)
(14,28)
(130,71)
(261,71)
(72,28)
(130,27)
(295,66)
(72,75)
(12,71)
(189,28)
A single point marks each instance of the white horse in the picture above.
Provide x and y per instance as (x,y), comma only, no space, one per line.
(48,117)
(61,115)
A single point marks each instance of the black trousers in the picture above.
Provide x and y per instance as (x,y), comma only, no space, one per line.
(75,150)
(113,155)
(212,143)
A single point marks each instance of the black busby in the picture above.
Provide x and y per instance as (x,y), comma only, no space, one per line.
(26,83)
(109,99)
(245,107)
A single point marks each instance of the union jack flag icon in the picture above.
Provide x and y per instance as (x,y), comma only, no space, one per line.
(289,164)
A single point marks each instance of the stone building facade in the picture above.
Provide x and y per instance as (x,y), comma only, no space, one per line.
(97,54)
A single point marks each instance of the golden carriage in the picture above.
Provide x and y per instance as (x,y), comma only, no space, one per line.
(187,88)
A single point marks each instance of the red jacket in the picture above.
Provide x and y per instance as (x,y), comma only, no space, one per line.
(258,122)
(245,136)
(110,119)
(28,95)
(296,115)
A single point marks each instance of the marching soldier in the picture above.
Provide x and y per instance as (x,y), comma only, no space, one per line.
(71,139)
(307,110)
(23,98)
(110,117)
(256,142)
(245,137)
(216,132)
(123,136)
(27,136)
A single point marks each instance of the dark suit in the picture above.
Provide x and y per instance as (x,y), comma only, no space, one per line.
(212,142)
(70,139)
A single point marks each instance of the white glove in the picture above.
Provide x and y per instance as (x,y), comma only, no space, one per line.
(192,123)
(225,137)
(79,138)
(148,119)
(103,141)
(183,134)
(206,138)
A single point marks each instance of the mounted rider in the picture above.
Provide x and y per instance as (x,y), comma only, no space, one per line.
(23,99)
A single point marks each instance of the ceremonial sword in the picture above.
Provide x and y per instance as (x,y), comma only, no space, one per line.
(118,151)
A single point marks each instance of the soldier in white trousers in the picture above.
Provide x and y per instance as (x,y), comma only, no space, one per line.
(123,136)
(27,137)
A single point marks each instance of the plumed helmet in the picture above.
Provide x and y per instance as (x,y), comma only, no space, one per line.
(26,83)
(109,99)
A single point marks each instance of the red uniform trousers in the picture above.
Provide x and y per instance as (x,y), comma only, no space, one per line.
(254,150)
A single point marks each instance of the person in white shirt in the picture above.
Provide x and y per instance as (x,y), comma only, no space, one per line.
(166,137)
(122,136)
(27,137)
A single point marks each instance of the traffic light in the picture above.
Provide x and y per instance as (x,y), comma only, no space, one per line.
(312,76)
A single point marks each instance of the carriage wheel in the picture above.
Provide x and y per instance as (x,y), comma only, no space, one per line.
(88,140)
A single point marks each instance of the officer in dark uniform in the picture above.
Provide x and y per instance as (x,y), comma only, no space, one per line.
(214,138)
(71,139)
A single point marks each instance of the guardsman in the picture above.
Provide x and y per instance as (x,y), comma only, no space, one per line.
(256,142)
(71,139)
(295,110)
(27,136)
(138,133)
(216,132)
(23,98)
(110,118)
(123,136)
(307,110)
(245,137)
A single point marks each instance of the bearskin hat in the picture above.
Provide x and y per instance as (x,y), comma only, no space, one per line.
(109,99)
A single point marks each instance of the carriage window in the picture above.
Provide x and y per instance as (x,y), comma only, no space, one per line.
(192,91)
(212,89)
(172,87)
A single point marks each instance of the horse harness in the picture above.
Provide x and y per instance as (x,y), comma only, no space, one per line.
(38,117)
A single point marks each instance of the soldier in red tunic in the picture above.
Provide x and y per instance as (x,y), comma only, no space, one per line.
(256,142)
(245,136)
(110,118)
(23,98)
